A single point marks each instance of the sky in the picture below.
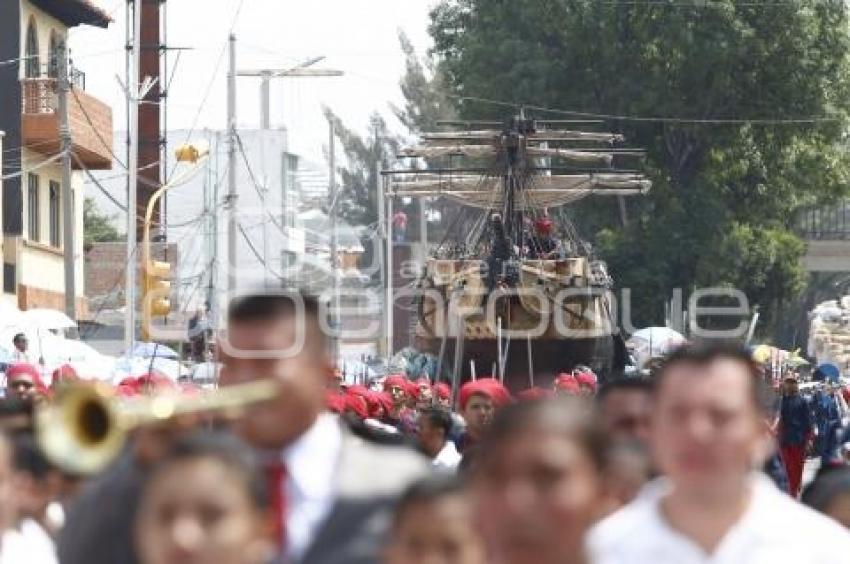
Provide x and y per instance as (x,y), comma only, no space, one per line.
(358,37)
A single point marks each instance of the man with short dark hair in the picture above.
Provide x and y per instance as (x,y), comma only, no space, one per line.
(332,492)
(21,345)
(433,428)
(625,408)
(709,435)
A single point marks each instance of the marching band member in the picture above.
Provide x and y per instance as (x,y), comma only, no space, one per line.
(331,492)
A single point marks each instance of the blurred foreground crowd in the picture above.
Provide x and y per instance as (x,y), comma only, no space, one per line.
(702,462)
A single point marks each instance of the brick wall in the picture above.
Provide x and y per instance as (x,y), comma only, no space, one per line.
(31,298)
(104,269)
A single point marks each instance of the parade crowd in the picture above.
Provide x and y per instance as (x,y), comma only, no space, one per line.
(701,461)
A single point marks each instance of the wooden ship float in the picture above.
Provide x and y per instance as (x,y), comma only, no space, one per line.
(512,290)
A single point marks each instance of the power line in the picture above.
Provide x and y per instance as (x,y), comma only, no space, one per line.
(218,62)
(95,181)
(37,166)
(799,120)
(100,138)
(702,3)
(257,185)
(256,253)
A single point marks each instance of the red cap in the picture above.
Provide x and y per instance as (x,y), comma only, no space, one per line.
(190,390)
(386,401)
(20,369)
(357,390)
(566,383)
(126,390)
(543,225)
(357,404)
(442,390)
(489,387)
(412,389)
(335,402)
(586,378)
(534,393)
(129,382)
(395,380)
(65,374)
(156,381)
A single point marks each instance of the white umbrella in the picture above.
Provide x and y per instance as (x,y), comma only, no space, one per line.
(42,318)
(86,361)
(10,315)
(137,366)
(205,373)
(653,342)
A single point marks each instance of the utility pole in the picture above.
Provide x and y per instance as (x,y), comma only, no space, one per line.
(423,229)
(390,275)
(232,196)
(334,263)
(381,234)
(67,200)
(266,75)
(133,94)
(212,204)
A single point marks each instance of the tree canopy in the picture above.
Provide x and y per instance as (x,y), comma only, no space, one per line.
(97,226)
(741,106)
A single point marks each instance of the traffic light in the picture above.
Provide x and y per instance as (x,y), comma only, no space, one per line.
(157,294)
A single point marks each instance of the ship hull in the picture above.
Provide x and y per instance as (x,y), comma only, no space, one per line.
(549,357)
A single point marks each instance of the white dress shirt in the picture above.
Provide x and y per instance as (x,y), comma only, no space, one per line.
(18,356)
(448,458)
(773,530)
(27,543)
(311,465)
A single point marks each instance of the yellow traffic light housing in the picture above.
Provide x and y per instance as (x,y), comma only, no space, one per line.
(157,294)
(190,153)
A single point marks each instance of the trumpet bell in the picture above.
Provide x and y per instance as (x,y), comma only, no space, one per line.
(80,432)
(86,426)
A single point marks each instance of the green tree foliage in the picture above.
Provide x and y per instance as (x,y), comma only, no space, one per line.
(97,226)
(425,90)
(357,201)
(728,173)
(427,102)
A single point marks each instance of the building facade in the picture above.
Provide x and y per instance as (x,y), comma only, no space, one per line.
(34,33)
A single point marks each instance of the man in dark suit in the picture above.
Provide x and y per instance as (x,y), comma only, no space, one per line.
(332,491)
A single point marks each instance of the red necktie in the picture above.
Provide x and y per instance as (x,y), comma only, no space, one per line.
(276,481)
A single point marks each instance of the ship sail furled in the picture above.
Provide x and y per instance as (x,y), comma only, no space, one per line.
(541,192)
(523,162)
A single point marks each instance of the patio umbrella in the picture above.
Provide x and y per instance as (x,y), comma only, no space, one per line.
(42,318)
(654,342)
(10,315)
(150,350)
(137,366)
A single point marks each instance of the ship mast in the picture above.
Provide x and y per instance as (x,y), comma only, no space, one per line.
(509,171)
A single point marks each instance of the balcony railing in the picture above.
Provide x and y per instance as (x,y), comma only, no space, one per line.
(825,224)
(39,96)
(89,119)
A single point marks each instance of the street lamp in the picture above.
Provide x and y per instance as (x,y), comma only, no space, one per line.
(157,287)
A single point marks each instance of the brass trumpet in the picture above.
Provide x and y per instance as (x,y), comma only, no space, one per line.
(86,425)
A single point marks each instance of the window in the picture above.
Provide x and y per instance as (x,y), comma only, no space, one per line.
(55,225)
(33,207)
(10,283)
(55,53)
(32,68)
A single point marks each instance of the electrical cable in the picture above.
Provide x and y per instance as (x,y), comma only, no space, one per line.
(219,60)
(257,254)
(37,166)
